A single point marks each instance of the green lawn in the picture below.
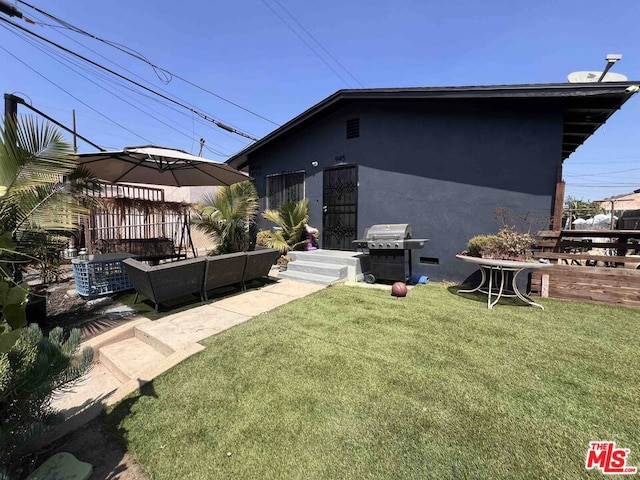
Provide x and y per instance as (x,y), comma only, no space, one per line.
(352,383)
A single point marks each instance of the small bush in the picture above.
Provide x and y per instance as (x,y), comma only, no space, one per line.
(512,244)
(507,244)
(264,237)
(283,261)
(480,243)
(30,373)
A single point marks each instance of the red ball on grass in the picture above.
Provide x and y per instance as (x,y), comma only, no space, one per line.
(399,289)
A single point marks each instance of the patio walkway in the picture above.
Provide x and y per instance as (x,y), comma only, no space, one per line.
(135,353)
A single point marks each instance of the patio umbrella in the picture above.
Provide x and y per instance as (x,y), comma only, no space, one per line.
(159,166)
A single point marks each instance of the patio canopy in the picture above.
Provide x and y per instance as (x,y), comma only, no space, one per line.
(159,166)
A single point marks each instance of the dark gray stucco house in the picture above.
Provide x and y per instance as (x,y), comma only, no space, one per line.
(441,159)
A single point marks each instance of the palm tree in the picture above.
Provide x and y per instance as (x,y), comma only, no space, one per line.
(40,191)
(39,175)
(291,218)
(228,216)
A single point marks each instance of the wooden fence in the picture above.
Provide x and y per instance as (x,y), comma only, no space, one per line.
(595,265)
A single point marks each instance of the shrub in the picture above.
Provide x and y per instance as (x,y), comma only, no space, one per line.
(228,216)
(512,244)
(33,369)
(479,244)
(264,237)
(292,218)
(507,244)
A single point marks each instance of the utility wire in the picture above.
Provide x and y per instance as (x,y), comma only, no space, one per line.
(319,44)
(601,174)
(74,97)
(53,55)
(61,125)
(168,74)
(307,44)
(60,59)
(123,68)
(217,123)
(189,115)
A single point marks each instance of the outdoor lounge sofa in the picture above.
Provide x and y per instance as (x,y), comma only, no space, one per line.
(238,268)
(160,283)
(259,262)
(223,270)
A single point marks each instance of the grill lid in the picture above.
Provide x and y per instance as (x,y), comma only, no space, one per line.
(389,231)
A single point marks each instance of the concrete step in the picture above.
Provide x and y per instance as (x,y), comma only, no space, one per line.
(94,387)
(336,257)
(308,277)
(333,257)
(328,269)
(128,358)
(99,388)
(141,333)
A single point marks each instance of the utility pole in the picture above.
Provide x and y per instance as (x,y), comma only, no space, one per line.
(202,140)
(11,106)
(11,117)
(75,135)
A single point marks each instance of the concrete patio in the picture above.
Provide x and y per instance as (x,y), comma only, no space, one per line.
(133,354)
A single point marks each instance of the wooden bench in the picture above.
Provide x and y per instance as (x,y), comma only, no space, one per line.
(148,249)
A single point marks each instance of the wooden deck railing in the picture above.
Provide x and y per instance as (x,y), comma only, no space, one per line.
(596,265)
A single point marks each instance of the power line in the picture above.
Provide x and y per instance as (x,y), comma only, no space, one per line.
(601,174)
(217,123)
(62,61)
(319,44)
(604,161)
(42,114)
(73,96)
(59,61)
(142,58)
(307,44)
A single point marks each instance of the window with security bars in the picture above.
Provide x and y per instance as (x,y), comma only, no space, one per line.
(283,188)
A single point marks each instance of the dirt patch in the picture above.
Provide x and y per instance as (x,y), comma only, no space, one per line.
(95,444)
(67,309)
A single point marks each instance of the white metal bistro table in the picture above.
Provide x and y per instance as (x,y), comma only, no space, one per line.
(494,273)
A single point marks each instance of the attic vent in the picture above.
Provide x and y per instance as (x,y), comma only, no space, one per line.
(353,128)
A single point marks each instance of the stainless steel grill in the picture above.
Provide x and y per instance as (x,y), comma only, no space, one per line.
(389,247)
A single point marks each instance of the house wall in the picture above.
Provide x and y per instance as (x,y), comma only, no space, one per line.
(442,167)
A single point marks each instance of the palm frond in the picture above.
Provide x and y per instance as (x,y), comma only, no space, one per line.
(292,218)
(228,215)
(35,162)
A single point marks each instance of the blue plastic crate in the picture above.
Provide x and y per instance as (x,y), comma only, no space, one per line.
(101,275)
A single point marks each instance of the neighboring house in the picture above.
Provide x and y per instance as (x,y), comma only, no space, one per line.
(619,203)
(626,208)
(441,159)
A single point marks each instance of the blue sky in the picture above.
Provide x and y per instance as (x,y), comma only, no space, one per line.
(245,53)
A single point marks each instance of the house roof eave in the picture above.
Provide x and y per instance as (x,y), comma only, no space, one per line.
(586,107)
